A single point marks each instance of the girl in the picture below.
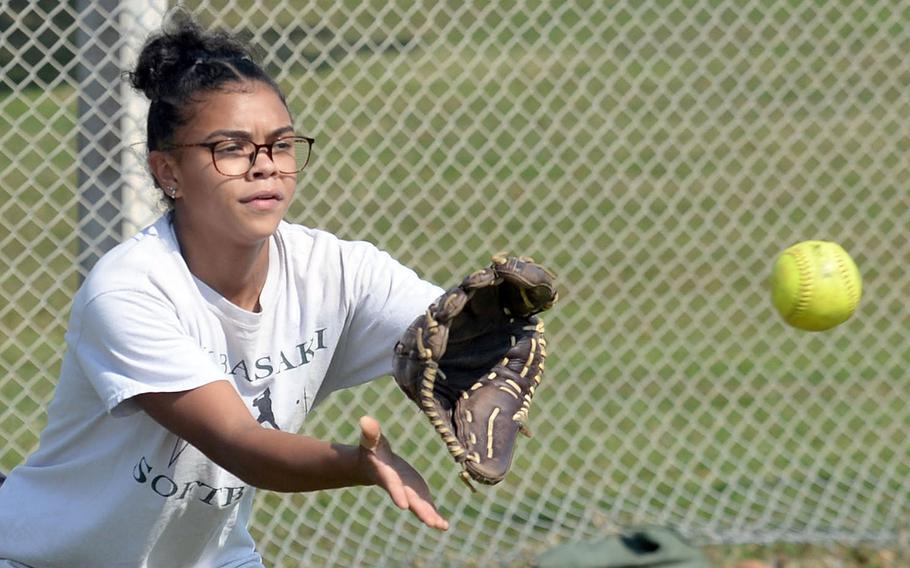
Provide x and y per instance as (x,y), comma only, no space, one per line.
(196,349)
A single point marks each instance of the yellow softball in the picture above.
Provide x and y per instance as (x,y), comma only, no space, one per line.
(815,285)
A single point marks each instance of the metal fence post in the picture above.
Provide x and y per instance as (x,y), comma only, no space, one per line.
(99,107)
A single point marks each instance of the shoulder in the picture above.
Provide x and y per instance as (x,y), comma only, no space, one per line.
(324,247)
(147,262)
(356,267)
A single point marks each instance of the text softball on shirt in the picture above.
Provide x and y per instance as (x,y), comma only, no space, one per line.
(162,481)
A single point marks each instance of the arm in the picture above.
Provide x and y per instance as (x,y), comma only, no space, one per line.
(214,419)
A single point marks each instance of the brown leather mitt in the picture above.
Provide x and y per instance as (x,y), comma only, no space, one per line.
(473,361)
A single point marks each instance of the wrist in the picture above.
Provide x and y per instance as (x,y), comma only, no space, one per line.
(365,470)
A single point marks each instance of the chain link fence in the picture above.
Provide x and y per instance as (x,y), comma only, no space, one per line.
(657,154)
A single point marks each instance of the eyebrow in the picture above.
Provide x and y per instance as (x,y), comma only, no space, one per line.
(246,135)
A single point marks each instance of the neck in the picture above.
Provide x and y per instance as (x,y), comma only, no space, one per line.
(234,270)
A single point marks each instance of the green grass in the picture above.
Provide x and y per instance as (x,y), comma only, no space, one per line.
(37,255)
(624,191)
(806,556)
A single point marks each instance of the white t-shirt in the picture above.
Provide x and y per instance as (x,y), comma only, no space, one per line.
(110,487)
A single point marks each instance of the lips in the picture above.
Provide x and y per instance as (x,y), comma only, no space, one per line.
(263,196)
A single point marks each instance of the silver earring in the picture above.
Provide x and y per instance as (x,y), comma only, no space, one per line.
(171,191)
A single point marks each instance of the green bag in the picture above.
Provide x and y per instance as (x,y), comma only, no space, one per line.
(633,547)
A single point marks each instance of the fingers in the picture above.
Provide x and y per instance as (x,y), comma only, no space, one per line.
(370,440)
(417,501)
(370,433)
(425,510)
(404,485)
(399,495)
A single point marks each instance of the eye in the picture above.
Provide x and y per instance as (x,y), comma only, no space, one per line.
(229,147)
(283,145)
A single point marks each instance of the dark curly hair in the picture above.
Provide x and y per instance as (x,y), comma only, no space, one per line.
(182,62)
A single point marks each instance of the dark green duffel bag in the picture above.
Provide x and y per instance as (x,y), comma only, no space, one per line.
(634,547)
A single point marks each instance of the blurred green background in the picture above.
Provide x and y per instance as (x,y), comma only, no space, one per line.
(657,155)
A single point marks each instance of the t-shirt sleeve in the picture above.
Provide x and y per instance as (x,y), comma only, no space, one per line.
(385,298)
(132,343)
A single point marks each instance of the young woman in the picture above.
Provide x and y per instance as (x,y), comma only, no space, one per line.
(196,349)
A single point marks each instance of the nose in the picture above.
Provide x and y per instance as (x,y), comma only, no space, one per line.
(262,166)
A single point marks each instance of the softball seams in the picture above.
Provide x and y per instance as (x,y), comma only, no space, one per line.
(845,273)
(806,283)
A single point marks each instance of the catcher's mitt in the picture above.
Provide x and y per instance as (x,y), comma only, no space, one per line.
(473,361)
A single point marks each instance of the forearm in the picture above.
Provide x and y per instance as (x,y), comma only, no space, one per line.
(215,420)
(281,461)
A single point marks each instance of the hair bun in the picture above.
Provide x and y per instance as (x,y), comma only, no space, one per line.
(181,45)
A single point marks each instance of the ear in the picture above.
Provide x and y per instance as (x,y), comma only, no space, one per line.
(164,169)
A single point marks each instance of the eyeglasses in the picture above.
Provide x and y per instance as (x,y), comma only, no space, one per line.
(236,157)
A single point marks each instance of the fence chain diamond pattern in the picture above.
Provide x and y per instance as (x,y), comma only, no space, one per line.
(657,155)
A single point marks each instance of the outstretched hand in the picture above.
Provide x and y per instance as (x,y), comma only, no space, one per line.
(403,483)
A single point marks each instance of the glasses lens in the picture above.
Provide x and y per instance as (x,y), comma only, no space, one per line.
(291,154)
(232,157)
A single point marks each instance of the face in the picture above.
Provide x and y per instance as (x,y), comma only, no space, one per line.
(209,205)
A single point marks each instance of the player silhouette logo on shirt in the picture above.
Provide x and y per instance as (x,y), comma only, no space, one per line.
(263,403)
